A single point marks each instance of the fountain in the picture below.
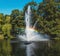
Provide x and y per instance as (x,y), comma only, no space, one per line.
(31,34)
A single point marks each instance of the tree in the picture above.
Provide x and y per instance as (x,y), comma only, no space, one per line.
(7,27)
(17,21)
(50,15)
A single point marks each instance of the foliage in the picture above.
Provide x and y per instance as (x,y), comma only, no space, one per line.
(50,14)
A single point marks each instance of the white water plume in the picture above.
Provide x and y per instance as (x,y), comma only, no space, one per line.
(35,24)
(30,33)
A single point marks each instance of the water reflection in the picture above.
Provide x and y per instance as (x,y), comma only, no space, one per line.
(30,49)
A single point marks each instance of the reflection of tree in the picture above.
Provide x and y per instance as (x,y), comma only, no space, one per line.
(45,50)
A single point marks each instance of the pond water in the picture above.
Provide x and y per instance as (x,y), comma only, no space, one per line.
(30,49)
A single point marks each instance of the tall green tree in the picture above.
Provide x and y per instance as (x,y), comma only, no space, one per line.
(49,24)
(17,20)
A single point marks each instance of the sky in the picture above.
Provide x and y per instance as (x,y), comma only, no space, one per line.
(6,6)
